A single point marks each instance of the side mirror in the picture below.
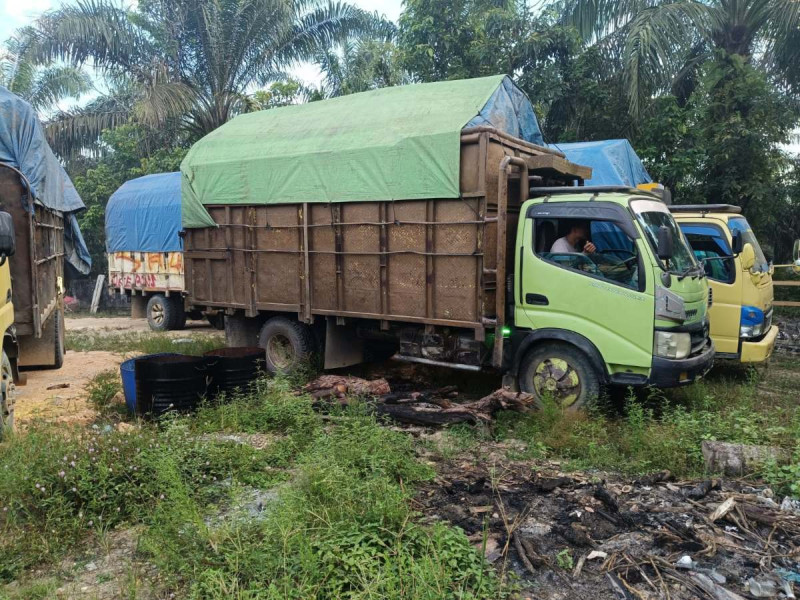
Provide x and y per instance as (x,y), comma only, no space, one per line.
(748,256)
(738,242)
(7,239)
(665,249)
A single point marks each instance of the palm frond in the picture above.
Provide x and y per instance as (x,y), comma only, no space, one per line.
(52,84)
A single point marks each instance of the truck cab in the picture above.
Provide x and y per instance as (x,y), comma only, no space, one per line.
(740,277)
(632,311)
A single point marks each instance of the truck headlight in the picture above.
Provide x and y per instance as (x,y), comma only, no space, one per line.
(668,344)
(752,322)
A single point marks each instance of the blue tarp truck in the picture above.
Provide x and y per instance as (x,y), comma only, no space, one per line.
(38,204)
(145,250)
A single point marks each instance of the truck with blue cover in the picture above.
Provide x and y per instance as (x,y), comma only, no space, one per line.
(39,234)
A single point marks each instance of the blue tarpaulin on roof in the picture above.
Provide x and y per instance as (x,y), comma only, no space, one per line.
(144,215)
(613,162)
(510,111)
(24,147)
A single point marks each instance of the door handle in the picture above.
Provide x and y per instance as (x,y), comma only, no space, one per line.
(537,299)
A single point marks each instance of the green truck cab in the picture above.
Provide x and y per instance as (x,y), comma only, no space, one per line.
(633,312)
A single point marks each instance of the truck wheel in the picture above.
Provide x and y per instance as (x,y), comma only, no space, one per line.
(178,312)
(160,310)
(561,373)
(58,351)
(288,344)
(7,396)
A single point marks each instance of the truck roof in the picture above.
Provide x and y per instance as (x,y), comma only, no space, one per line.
(703,209)
(613,193)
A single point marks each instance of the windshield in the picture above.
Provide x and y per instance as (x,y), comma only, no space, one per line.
(748,237)
(651,216)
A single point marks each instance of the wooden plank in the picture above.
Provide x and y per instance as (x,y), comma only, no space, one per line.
(785,303)
(786,283)
(98,288)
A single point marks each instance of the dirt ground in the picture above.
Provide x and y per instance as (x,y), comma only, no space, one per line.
(45,396)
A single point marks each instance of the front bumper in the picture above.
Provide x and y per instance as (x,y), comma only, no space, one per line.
(760,351)
(666,372)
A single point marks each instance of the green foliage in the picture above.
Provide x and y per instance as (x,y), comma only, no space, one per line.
(102,389)
(280,93)
(144,343)
(358,67)
(564,560)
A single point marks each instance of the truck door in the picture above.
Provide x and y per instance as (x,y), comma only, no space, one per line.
(710,244)
(600,291)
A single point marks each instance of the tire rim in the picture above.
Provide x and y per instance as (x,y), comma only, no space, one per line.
(557,379)
(157,313)
(280,352)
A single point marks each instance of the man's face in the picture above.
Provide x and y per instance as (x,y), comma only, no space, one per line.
(580,233)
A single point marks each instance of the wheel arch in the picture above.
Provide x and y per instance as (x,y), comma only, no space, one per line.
(539,336)
(11,348)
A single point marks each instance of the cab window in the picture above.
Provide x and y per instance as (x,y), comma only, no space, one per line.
(711,249)
(599,249)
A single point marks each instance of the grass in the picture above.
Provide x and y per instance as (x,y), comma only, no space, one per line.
(145,342)
(665,430)
(338,522)
(102,389)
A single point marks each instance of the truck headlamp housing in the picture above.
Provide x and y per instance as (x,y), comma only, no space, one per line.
(669,344)
(752,322)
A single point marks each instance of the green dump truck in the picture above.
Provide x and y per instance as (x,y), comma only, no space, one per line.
(422,221)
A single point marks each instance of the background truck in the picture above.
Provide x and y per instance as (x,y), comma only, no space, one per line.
(399,220)
(37,216)
(740,278)
(145,251)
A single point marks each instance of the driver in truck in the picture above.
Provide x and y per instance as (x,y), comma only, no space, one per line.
(578,234)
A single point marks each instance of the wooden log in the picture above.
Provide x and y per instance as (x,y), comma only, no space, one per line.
(738,459)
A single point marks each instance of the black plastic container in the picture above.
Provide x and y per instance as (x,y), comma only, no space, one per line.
(172,382)
(233,369)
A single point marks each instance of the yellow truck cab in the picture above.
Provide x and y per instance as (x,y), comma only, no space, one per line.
(740,277)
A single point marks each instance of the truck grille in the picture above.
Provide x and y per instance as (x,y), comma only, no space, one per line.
(691,314)
(710,297)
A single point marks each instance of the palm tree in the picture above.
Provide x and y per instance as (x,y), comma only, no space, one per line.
(359,66)
(194,61)
(660,43)
(43,86)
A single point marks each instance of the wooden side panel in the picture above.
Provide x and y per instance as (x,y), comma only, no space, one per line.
(38,262)
(426,261)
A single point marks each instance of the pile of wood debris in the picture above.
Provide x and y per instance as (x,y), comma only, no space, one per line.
(427,407)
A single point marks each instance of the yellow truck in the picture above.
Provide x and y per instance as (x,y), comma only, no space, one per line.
(38,237)
(740,277)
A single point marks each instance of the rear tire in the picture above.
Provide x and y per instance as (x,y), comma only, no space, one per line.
(160,311)
(7,396)
(559,373)
(288,344)
(179,312)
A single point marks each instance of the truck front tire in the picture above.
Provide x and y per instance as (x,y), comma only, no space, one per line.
(559,373)
(7,396)
(288,344)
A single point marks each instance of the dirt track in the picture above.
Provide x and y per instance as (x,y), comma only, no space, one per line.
(68,404)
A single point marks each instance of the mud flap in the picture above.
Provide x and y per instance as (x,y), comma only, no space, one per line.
(342,346)
(39,352)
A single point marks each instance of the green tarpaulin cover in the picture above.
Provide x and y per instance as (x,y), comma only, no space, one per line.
(387,144)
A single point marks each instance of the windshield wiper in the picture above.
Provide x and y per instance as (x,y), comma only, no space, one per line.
(692,269)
